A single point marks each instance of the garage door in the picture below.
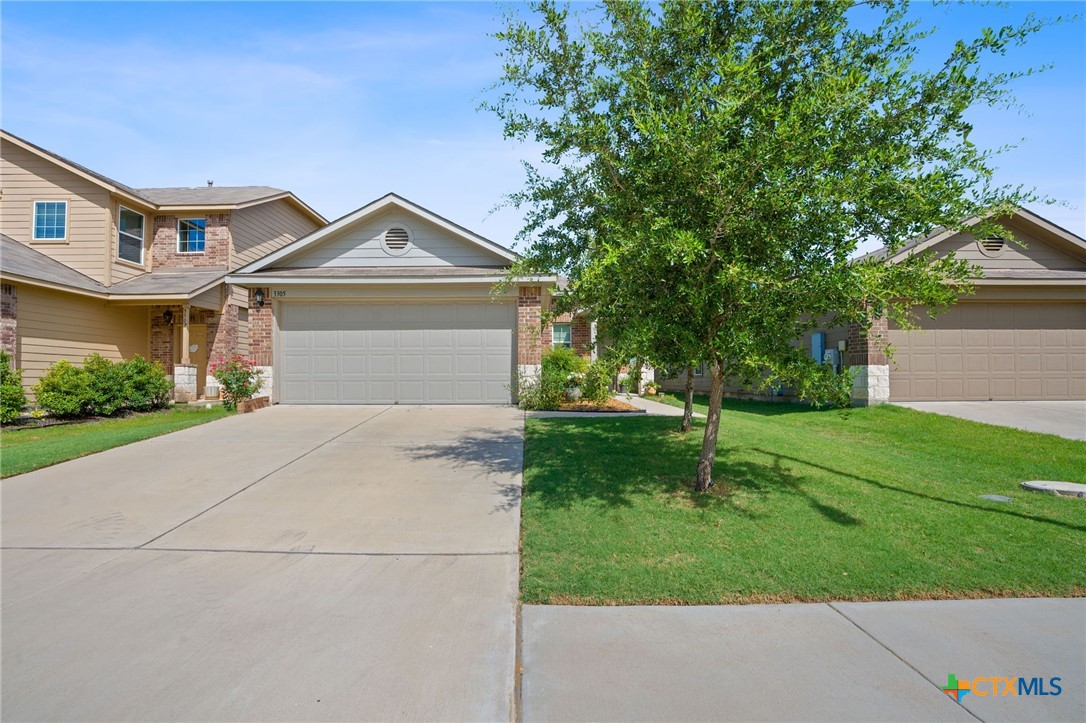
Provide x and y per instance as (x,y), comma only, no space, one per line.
(380,353)
(993,351)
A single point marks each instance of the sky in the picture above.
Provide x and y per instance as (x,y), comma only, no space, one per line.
(343,102)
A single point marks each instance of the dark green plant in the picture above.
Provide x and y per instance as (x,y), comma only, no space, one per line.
(12,396)
(597,380)
(106,394)
(146,386)
(64,391)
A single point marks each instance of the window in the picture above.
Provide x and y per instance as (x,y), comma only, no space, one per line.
(699,370)
(130,236)
(50,220)
(190,235)
(562,335)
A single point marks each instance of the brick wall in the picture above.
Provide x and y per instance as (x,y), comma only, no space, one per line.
(580,329)
(529,310)
(868,348)
(222,334)
(9,319)
(260,330)
(216,243)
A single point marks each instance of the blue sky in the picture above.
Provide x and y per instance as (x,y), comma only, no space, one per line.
(343,102)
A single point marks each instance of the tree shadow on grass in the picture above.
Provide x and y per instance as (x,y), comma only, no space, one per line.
(610,462)
(901,490)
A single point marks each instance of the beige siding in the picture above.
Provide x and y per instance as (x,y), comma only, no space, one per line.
(1036,255)
(122,270)
(53,325)
(210,299)
(259,230)
(360,245)
(27,177)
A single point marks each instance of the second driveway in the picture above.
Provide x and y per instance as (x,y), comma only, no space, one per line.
(289,564)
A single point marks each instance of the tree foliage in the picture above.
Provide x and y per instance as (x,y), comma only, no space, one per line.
(709,169)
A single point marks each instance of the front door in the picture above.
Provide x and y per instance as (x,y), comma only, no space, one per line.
(197,352)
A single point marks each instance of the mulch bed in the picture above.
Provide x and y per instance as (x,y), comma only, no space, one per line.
(611,405)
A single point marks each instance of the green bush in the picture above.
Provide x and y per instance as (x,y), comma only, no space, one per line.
(106,392)
(549,389)
(65,390)
(597,381)
(239,379)
(12,396)
(145,384)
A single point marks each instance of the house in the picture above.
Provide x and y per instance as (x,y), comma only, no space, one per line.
(395,304)
(88,264)
(1020,336)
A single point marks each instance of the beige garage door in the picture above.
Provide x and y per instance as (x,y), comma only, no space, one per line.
(993,351)
(383,353)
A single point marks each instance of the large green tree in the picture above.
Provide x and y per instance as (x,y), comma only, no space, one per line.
(709,169)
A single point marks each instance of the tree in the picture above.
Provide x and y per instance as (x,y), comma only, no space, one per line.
(709,168)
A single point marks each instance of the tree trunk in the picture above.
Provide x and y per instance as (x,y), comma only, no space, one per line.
(688,406)
(712,427)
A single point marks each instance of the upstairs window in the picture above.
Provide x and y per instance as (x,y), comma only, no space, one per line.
(50,220)
(562,335)
(190,235)
(130,235)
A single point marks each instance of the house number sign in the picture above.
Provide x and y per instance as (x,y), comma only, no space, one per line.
(278,293)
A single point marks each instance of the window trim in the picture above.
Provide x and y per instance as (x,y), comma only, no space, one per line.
(564,344)
(143,240)
(177,246)
(699,370)
(34,220)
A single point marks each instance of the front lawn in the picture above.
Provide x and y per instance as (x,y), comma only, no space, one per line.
(23,450)
(865,504)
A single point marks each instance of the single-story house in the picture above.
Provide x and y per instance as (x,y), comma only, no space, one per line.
(1020,336)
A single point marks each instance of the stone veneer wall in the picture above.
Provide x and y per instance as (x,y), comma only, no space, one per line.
(868,363)
(9,319)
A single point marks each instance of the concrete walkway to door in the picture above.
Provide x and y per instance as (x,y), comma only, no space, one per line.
(301,563)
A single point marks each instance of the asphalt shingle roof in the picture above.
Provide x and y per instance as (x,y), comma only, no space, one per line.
(21,260)
(207,195)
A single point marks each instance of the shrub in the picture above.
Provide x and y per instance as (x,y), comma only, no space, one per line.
(64,391)
(12,396)
(561,368)
(106,392)
(239,379)
(146,386)
(597,381)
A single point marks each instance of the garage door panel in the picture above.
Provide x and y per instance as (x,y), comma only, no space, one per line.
(407,353)
(1002,351)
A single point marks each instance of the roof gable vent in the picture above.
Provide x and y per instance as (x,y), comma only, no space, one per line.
(992,246)
(396,241)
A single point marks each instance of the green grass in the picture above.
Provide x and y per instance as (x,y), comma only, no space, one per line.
(23,450)
(867,504)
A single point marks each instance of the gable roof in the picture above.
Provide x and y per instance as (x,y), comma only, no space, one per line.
(163,199)
(1060,235)
(389,200)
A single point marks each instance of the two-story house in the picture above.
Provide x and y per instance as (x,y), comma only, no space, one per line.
(89,265)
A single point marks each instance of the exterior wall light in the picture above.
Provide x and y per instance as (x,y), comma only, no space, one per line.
(258,297)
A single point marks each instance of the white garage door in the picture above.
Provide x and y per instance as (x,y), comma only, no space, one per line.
(383,353)
(981,351)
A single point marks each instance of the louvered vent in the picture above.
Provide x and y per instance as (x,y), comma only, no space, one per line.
(396,239)
(992,245)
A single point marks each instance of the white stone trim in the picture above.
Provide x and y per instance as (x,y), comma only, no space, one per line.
(870,384)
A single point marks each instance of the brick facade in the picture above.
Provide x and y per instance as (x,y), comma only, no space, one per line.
(9,319)
(222,334)
(529,314)
(869,348)
(260,330)
(216,243)
(580,330)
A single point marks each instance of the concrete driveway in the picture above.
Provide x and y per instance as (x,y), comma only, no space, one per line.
(1065,419)
(301,563)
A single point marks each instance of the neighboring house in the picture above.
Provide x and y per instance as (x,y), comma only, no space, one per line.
(395,304)
(89,265)
(1020,336)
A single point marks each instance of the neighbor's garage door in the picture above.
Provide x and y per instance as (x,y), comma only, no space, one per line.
(382,353)
(1024,351)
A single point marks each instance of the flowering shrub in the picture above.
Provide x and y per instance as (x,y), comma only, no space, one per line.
(239,379)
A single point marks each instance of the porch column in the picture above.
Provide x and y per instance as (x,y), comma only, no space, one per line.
(185,384)
(185,343)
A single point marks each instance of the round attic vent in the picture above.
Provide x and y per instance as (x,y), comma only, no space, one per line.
(396,241)
(992,246)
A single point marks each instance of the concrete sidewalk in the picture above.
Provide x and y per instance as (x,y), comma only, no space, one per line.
(817,662)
